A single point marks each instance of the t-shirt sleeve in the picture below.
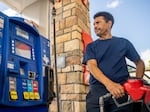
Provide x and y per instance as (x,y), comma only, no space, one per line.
(132,54)
(89,53)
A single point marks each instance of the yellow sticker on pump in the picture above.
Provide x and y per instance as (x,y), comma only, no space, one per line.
(31,94)
(37,96)
(13,95)
(26,95)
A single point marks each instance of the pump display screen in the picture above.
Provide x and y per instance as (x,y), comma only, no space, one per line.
(22,33)
(23,50)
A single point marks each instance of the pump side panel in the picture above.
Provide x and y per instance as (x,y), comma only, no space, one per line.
(21,72)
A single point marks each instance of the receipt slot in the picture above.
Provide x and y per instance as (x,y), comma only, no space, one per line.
(24,59)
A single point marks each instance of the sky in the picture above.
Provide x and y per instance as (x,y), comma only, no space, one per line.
(132,21)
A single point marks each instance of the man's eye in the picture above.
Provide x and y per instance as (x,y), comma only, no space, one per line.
(97,22)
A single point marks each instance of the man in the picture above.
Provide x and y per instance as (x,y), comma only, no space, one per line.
(105,58)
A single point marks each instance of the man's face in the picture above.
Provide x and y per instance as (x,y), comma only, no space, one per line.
(101,27)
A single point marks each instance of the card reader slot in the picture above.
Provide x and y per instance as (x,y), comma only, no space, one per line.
(31,75)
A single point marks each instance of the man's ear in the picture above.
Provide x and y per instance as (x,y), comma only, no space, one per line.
(110,24)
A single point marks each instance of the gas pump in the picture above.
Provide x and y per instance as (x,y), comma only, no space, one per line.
(26,79)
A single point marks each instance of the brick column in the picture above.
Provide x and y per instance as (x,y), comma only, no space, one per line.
(72,17)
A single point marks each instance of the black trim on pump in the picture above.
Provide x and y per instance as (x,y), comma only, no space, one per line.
(50,84)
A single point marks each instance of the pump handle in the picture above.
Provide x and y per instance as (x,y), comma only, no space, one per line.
(129,101)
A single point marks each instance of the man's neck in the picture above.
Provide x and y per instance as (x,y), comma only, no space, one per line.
(109,36)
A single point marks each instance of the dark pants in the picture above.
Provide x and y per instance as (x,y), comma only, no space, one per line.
(92,101)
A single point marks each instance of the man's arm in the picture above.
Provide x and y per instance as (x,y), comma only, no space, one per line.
(114,88)
(140,68)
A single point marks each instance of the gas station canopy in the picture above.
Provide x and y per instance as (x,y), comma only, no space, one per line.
(19,5)
(35,10)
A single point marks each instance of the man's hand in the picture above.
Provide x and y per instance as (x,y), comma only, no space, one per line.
(115,89)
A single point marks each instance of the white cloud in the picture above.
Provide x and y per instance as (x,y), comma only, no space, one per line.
(145,55)
(113,3)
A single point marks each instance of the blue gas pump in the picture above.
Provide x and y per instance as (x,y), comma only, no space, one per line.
(26,79)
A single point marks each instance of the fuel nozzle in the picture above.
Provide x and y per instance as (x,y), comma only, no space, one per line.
(101,101)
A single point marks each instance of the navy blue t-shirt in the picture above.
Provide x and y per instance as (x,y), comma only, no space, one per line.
(110,56)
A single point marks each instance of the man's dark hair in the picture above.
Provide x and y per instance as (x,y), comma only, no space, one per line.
(107,16)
